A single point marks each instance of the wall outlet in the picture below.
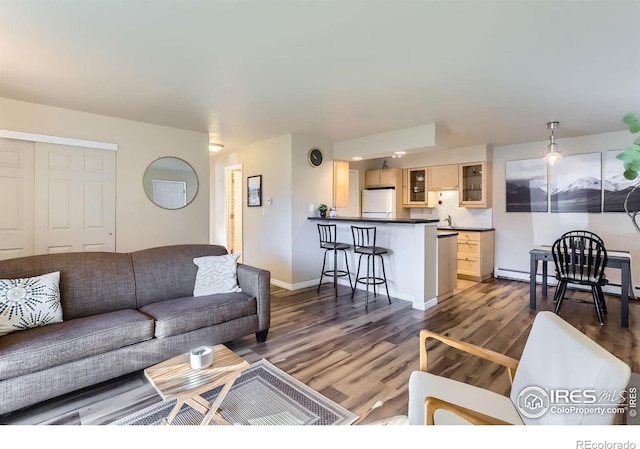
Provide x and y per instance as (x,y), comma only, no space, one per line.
(312,208)
(269,202)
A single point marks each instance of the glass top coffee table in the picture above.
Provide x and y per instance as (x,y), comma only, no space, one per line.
(175,379)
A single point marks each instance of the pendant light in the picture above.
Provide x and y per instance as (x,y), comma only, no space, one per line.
(552,155)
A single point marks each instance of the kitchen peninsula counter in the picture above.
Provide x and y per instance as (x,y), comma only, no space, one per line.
(376,220)
(411,263)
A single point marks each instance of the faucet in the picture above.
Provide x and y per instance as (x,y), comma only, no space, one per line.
(448,220)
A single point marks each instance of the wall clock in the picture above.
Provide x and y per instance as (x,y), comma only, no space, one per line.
(315,157)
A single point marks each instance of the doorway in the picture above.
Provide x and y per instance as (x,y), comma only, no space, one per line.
(233,196)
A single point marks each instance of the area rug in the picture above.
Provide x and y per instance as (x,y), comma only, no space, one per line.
(262,395)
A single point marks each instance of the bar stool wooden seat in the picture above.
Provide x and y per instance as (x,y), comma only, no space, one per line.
(328,242)
(364,244)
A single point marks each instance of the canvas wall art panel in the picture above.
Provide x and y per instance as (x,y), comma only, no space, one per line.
(616,187)
(526,181)
(576,183)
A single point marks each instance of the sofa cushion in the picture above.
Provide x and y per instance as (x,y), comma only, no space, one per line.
(90,283)
(26,303)
(168,272)
(216,274)
(43,347)
(176,316)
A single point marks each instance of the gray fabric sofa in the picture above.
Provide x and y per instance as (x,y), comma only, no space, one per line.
(122,312)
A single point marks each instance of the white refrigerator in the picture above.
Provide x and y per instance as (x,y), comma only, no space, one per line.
(378,203)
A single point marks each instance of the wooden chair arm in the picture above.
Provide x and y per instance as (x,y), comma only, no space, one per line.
(432,404)
(510,363)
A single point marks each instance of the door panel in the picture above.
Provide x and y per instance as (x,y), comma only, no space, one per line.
(17,198)
(74,199)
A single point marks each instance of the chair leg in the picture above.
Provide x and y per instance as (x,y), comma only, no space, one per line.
(562,287)
(384,275)
(366,301)
(324,261)
(373,268)
(335,271)
(603,303)
(557,293)
(346,264)
(357,277)
(596,302)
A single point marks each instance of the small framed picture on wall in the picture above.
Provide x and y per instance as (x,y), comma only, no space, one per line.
(254,191)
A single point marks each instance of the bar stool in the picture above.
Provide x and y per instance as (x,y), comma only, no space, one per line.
(364,243)
(328,242)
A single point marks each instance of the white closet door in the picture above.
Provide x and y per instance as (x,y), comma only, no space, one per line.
(74,199)
(16,198)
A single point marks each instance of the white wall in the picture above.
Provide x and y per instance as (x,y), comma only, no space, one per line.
(139,223)
(517,233)
(266,230)
(278,238)
(309,185)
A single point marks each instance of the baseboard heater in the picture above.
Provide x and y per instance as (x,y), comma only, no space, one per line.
(518,275)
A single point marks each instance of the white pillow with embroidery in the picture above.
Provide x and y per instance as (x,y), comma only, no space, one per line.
(216,274)
(29,302)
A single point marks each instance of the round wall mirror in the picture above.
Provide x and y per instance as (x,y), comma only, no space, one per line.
(170,182)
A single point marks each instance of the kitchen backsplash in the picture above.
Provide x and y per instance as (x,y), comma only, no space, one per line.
(460,216)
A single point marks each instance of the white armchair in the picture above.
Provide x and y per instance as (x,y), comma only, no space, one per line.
(557,359)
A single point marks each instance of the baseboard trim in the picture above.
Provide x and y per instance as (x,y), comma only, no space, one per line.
(297,286)
(345,282)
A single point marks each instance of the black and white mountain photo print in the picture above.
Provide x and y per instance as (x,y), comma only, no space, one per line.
(526,185)
(576,183)
(616,186)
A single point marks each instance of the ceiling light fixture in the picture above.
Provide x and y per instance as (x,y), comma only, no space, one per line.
(357,158)
(552,155)
(215,147)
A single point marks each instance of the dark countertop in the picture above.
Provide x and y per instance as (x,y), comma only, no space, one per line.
(447,234)
(455,228)
(375,220)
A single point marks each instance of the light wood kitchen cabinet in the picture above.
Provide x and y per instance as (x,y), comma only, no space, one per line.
(414,188)
(475,255)
(340,184)
(381,178)
(447,266)
(475,184)
(442,177)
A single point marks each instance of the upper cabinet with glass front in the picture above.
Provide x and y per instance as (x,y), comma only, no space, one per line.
(475,184)
(414,188)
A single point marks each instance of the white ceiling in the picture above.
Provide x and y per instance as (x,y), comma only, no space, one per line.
(491,72)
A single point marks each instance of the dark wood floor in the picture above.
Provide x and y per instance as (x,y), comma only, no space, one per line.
(361,358)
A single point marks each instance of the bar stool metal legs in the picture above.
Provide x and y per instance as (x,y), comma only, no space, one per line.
(328,242)
(364,244)
(334,272)
(371,278)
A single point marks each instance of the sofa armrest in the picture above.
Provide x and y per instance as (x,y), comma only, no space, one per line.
(256,282)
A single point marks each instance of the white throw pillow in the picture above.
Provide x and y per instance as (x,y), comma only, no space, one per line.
(216,274)
(29,302)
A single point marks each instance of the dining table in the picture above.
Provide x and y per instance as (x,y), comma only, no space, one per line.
(615,259)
